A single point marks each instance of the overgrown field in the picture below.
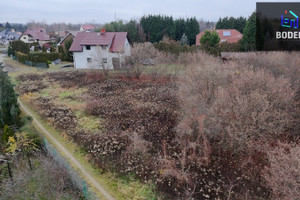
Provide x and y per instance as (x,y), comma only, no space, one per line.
(219,131)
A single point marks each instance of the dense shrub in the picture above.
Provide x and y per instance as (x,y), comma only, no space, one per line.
(44,57)
(30,86)
(62,117)
(230,47)
(283,173)
(68,78)
(174,47)
(22,57)
(18,45)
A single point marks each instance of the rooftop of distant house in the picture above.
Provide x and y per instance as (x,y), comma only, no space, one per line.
(38,33)
(87,27)
(226,35)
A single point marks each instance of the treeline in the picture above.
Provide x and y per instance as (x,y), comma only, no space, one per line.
(153,28)
(17,27)
(238,23)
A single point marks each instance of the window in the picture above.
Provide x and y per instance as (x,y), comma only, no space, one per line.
(88,47)
(89,60)
(226,33)
(24,38)
(104,47)
(104,60)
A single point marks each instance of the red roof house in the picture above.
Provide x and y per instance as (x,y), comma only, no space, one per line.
(87,47)
(87,28)
(226,35)
(35,35)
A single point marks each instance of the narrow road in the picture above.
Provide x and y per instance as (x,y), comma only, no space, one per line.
(68,156)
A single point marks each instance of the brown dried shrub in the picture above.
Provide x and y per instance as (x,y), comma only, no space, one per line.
(30,77)
(62,117)
(283,173)
(253,109)
(30,86)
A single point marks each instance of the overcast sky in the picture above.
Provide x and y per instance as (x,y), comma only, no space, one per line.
(102,11)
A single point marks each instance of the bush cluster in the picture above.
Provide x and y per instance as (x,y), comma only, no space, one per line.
(22,57)
(44,57)
(30,86)
(174,47)
(62,117)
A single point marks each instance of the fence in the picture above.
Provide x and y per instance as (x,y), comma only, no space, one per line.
(75,177)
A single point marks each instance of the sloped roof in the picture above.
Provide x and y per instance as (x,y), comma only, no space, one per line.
(9,35)
(66,36)
(116,39)
(39,34)
(88,27)
(234,37)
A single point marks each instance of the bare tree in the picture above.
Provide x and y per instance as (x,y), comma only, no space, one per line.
(99,60)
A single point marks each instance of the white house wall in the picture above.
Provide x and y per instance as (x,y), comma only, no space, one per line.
(25,38)
(80,58)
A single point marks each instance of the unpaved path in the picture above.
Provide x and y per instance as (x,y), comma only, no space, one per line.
(68,156)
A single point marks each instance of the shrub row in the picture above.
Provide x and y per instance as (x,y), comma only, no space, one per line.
(44,57)
(174,47)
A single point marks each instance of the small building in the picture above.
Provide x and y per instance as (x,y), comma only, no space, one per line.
(95,50)
(35,35)
(68,36)
(87,28)
(226,35)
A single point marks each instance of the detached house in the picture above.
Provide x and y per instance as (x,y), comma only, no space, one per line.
(69,36)
(35,35)
(87,28)
(9,35)
(97,50)
(226,35)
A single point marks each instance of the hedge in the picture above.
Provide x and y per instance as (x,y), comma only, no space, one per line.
(174,47)
(44,57)
(22,57)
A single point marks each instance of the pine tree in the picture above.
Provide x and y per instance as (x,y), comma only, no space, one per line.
(184,40)
(9,109)
(249,37)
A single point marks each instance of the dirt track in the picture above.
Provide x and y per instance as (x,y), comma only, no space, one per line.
(68,156)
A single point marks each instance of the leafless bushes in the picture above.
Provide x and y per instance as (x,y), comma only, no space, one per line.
(30,86)
(144,54)
(283,173)
(30,77)
(243,108)
(48,180)
(62,117)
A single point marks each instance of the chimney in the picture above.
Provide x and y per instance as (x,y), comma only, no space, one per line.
(103,31)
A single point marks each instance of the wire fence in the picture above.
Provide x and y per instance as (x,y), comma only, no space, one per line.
(75,177)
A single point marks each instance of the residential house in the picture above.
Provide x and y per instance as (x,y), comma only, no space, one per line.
(8,35)
(87,28)
(35,35)
(226,35)
(68,36)
(99,49)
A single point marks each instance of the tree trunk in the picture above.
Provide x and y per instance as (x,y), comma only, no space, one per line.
(29,161)
(9,171)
